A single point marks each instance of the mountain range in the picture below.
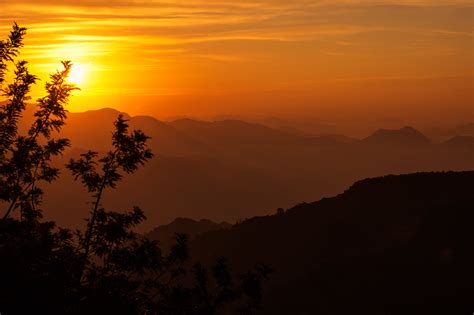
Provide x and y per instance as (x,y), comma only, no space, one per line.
(229,170)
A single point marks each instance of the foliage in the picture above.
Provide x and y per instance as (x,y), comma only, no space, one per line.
(25,160)
(108,268)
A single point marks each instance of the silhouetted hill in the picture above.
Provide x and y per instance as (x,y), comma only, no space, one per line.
(389,245)
(405,136)
(93,129)
(165,234)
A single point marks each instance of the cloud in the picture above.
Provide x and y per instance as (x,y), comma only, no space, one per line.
(276,33)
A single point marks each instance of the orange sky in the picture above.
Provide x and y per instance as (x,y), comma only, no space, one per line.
(334,59)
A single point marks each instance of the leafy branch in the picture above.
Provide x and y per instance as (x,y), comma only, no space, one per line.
(130,151)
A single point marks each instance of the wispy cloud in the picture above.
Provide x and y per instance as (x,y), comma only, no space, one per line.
(277,40)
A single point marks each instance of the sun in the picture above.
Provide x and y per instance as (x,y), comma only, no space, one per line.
(78,73)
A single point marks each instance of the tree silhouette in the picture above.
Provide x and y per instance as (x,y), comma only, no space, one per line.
(130,151)
(25,160)
(107,268)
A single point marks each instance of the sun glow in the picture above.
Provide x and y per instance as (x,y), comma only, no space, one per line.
(78,73)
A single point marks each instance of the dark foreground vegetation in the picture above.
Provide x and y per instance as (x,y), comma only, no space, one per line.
(105,268)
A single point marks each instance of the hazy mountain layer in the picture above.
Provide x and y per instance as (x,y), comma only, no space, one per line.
(229,170)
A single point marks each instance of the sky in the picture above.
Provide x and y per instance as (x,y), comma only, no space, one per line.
(353,60)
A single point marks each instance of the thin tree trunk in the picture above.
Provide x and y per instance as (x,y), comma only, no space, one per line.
(90,228)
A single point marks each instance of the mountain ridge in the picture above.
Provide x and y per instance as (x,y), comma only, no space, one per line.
(165,234)
(230,175)
(403,240)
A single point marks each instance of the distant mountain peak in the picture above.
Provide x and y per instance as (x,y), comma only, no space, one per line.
(403,136)
(105,112)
